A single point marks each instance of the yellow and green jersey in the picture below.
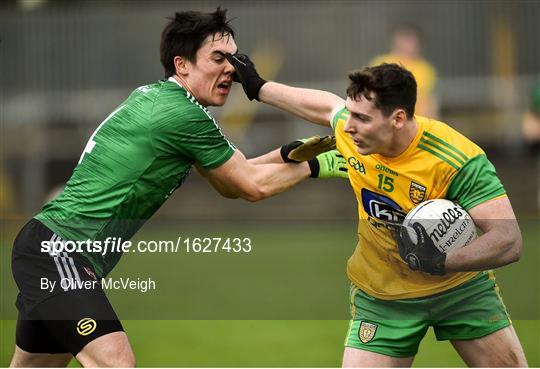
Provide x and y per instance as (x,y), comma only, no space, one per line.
(439,163)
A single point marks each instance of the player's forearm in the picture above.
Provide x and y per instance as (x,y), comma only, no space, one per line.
(272,179)
(269,158)
(495,248)
(253,182)
(313,105)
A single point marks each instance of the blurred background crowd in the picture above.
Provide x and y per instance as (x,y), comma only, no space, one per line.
(67,64)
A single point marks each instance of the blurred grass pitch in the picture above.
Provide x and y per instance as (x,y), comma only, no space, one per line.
(277,343)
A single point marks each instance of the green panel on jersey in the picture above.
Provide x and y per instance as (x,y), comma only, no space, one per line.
(475,183)
(132,163)
(341,114)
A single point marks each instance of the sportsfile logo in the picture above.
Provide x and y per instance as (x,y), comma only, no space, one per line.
(56,247)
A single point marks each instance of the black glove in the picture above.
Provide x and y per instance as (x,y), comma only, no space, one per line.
(319,152)
(422,255)
(246,74)
(307,148)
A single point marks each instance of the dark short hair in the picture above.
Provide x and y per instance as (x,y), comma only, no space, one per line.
(393,87)
(185,33)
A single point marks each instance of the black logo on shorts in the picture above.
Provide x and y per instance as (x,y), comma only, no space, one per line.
(86,326)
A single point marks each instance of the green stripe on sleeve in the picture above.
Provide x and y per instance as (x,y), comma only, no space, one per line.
(476,182)
(440,156)
(457,151)
(447,152)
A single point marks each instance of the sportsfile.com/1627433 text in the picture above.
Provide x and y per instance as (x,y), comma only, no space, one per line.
(180,244)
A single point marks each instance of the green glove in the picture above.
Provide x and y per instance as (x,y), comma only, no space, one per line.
(330,164)
(307,148)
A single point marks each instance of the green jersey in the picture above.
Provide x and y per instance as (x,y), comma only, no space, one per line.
(132,163)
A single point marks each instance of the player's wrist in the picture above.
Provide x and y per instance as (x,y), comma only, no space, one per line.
(454,262)
(285,151)
(436,265)
(266,92)
(313,164)
(255,85)
(323,159)
(314,167)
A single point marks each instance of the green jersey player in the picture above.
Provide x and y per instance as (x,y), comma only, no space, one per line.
(133,161)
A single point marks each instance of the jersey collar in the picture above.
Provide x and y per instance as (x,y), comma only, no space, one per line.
(172,79)
(188,94)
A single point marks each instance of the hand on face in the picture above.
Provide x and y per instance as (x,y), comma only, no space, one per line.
(209,77)
(246,74)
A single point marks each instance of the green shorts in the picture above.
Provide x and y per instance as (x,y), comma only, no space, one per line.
(395,328)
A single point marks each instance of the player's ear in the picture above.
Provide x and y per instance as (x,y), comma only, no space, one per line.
(399,117)
(180,65)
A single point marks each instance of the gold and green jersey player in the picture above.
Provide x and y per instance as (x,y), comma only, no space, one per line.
(439,163)
(395,161)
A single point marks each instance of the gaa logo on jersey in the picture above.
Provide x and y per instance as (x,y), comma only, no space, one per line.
(356,164)
(366,332)
(417,193)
